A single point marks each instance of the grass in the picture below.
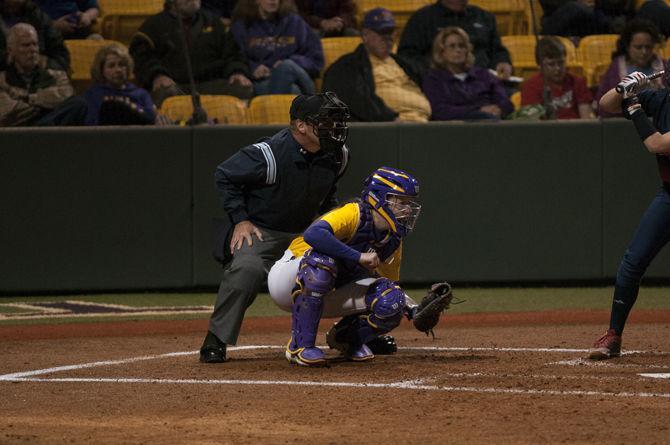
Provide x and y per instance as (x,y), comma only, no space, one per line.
(476,300)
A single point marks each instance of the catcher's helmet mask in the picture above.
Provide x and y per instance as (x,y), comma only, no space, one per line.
(392,193)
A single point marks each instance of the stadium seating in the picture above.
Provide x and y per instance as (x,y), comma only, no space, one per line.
(510,14)
(595,53)
(270,109)
(522,52)
(120,19)
(336,47)
(516,100)
(224,109)
(82,53)
(534,12)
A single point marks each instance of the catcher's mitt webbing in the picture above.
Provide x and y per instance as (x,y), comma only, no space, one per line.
(428,312)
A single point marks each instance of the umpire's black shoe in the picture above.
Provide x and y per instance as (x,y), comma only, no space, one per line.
(383,345)
(213,350)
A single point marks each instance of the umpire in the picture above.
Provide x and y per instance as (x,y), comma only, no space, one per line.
(272,191)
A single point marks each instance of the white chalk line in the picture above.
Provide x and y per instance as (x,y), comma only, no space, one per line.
(393,385)
(605,364)
(27,376)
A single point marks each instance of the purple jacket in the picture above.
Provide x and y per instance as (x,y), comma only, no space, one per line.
(265,42)
(452,99)
(140,97)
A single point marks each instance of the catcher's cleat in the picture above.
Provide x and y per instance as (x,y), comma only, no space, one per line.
(360,354)
(383,345)
(607,346)
(305,356)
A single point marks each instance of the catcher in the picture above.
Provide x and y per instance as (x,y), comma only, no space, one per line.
(347,264)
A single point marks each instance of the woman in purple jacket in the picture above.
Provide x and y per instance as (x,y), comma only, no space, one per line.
(283,52)
(635,51)
(458,90)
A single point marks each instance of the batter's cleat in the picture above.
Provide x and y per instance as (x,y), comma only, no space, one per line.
(360,354)
(305,356)
(607,346)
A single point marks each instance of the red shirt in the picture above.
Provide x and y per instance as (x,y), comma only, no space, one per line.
(565,98)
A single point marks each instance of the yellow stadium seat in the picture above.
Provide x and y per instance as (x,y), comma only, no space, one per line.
(534,12)
(522,52)
(82,53)
(596,50)
(120,19)
(401,9)
(510,14)
(336,47)
(516,100)
(224,109)
(270,109)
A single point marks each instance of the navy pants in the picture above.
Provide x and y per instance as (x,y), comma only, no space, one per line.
(652,234)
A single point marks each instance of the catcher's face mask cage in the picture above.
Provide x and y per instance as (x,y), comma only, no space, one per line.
(330,123)
(392,193)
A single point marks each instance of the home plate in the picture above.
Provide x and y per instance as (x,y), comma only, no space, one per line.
(657,375)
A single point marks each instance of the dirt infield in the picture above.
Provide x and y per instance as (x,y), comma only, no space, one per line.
(488,378)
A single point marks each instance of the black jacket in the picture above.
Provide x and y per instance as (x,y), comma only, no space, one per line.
(417,38)
(277,185)
(351,78)
(157,49)
(50,39)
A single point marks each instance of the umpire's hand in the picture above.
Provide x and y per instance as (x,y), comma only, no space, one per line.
(244,231)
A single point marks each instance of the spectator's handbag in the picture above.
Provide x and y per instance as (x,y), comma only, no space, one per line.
(222,233)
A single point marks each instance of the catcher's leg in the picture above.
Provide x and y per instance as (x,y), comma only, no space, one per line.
(385,303)
(316,277)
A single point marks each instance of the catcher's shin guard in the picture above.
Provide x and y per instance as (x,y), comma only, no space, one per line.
(316,278)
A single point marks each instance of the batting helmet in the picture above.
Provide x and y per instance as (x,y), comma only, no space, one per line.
(385,183)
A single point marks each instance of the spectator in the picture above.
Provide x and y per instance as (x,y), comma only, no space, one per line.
(31,95)
(329,18)
(577,17)
(635,51)
(53,54)
(73,18)
(160,59)
(657,12)
(283,51)
(375,84)
(112,100)
(456,88)
(563,95)
(416,41)
(223,9)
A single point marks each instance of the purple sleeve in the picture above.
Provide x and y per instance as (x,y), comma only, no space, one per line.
(500,97)
(322,238)
(239,32)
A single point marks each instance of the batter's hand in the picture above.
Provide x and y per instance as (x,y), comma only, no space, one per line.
(244,230)
(369,260)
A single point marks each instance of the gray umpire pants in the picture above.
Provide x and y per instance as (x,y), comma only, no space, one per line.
(242,280)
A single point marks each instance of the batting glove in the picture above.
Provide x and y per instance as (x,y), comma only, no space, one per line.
(634,82)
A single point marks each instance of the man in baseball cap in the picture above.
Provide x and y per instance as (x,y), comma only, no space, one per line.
(375,84)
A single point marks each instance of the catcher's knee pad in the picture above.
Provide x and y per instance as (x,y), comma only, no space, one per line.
(386,301)
(384,298)
(316,274)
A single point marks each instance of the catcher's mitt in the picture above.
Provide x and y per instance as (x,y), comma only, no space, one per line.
(428,312)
